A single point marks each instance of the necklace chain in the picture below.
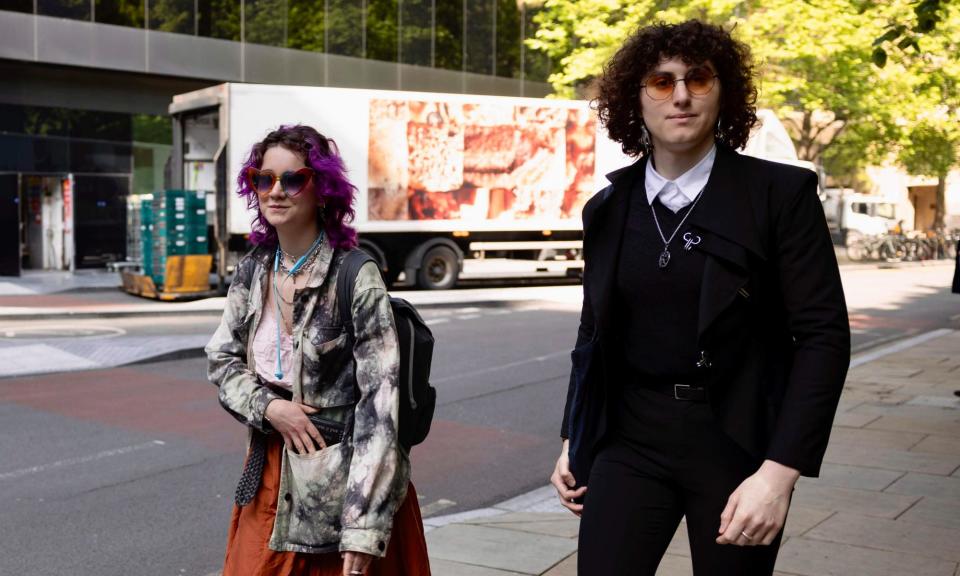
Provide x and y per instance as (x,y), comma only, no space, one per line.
(665,255)
(306,265)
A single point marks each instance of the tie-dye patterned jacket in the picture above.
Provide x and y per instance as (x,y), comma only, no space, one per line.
(343,497)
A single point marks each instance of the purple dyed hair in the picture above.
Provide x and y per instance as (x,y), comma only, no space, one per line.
(334,192)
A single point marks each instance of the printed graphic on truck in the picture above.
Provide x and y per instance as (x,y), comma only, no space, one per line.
(471,162)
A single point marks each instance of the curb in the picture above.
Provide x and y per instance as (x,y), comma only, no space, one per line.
(185,354)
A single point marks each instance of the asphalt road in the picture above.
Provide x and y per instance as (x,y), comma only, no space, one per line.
(132,470)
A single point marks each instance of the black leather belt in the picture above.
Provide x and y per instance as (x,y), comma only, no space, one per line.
(685,392)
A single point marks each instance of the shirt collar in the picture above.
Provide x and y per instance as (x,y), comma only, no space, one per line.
(690,183)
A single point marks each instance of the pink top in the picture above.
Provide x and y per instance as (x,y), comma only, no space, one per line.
(265,349)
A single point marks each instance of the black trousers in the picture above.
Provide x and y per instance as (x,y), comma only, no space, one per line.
(666,459)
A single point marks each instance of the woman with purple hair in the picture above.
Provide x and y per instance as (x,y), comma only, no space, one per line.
(326,484)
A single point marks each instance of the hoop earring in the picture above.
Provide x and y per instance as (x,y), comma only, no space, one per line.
(718,132)
(645,141)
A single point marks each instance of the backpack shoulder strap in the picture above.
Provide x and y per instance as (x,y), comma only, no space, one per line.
(346,280)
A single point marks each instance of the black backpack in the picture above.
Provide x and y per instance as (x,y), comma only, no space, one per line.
(417,397)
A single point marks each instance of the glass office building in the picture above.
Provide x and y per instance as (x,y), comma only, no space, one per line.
(88,82)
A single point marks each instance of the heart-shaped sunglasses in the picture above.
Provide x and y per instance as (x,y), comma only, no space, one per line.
(292,183)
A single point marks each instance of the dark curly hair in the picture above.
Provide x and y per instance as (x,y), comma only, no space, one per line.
(694,42)
(330,185)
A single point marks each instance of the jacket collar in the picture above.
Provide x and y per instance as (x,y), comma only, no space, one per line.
(321,268)
(725,208)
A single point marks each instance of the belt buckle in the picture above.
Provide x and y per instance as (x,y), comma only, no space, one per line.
(677,395)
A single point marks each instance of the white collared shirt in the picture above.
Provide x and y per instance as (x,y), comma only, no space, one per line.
(675,194)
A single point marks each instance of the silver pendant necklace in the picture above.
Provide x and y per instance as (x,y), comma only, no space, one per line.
(664,260)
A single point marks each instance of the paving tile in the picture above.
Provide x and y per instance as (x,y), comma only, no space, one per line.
(866,438)
(926,485)
(567,528)
(859,477)
(923,407)
(497,548)
(926,425)
(800,519)
(440,567)
(944,401)
(935,512)
(566,568)
(875,385)
(672,565)
(532,499)
(459,517)
(818,558)
(522,517)
(680,544)
(891,535)
(867,503)
(890,459)
(939,445)
(853,419)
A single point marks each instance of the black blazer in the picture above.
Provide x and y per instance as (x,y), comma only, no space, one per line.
(956,273)
(773,327)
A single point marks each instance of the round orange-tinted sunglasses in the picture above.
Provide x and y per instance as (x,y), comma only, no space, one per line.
(292,183)
(699,82)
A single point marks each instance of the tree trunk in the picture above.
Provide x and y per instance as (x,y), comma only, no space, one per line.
(940,212)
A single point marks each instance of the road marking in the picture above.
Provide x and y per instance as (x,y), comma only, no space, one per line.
(468,317)
(499,312)
(434,507)
(898,347)
(80,460)
(433,321)
(502,367)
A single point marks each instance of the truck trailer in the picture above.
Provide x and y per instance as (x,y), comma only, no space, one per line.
(440,178)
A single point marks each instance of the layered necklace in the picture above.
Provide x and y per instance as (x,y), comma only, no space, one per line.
(302,264)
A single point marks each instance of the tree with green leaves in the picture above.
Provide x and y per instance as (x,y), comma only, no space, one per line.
(903,34)
(931,149)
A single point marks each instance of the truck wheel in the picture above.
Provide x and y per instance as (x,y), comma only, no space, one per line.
(439,269)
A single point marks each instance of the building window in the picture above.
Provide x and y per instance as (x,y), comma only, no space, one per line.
(381,40)
(219,19)
(305,29)
(536,64)
(17,6)
(72,9)
(172,16)
(119,12)
(509,36)
(416,32)
(478,38)
(345,27)
(265,22)
(448,43)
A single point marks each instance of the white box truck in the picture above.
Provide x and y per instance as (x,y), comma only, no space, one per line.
(441,178)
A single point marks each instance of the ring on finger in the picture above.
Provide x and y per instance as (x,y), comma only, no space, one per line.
(747,536)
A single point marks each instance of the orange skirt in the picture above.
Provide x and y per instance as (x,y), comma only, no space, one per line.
(248,553)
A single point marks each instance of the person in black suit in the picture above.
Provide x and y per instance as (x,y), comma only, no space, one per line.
(956,272)
(714,339)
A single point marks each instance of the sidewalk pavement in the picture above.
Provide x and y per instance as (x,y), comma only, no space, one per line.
(887,502)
